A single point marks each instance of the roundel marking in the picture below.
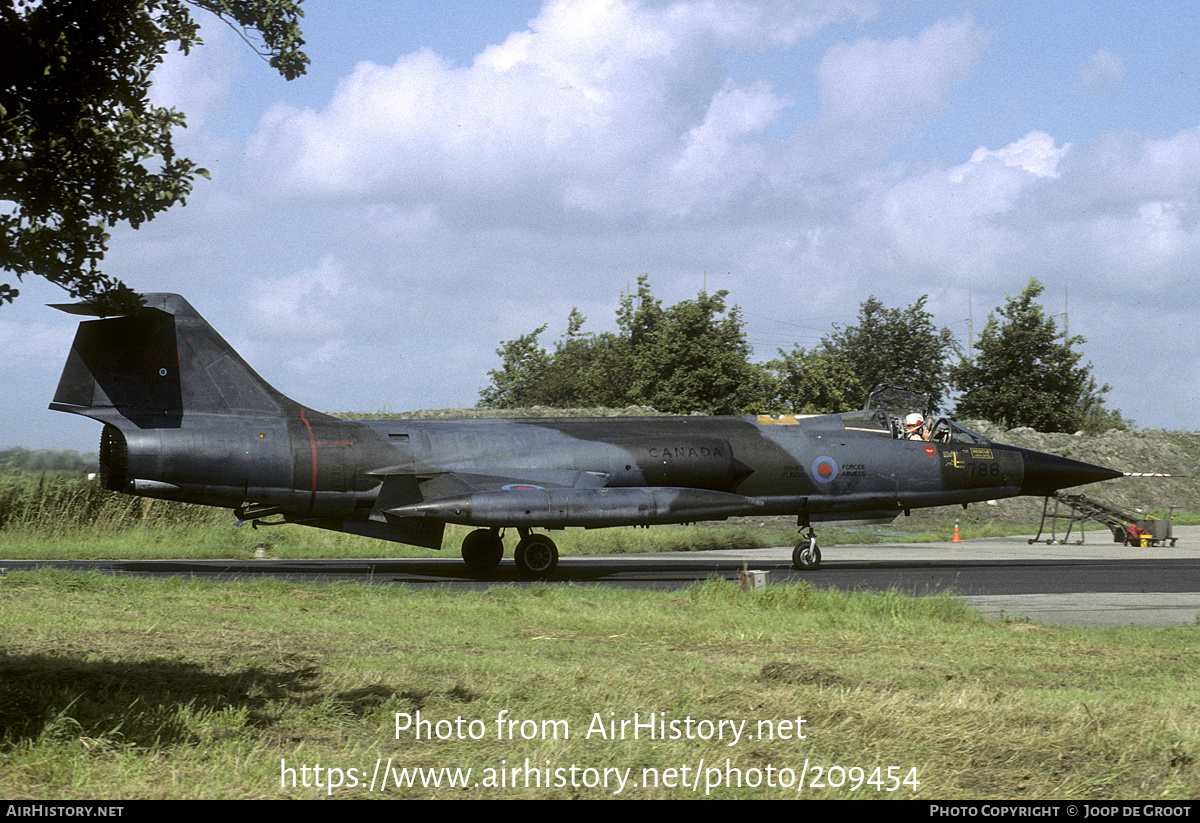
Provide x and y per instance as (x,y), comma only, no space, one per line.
(521,487)
(824,469)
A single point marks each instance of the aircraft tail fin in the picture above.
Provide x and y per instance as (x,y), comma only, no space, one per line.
(156,365)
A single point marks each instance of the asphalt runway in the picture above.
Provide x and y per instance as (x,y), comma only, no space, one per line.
(1095,584)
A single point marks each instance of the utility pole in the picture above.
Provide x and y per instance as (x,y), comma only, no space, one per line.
(970,330)
(1066,314)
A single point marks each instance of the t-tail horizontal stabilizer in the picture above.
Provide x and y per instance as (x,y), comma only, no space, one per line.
(157,365)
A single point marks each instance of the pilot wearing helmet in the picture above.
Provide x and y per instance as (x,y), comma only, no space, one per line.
(914,427)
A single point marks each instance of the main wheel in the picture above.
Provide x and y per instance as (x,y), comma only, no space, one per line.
(807,556)
(482,550)
(536,556)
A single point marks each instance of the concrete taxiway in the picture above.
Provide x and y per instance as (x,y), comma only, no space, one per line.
(1169,598)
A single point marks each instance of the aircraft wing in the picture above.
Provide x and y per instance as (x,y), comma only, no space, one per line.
(444,485)
(401,485)
(548,498)
(402,488)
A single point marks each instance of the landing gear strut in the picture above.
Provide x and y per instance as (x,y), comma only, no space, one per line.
(807,554)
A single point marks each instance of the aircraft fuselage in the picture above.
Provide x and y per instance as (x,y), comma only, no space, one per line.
(312,466)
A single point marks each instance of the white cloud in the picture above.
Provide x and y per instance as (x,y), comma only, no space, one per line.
(883,87)
(714,161)
(598,104)
(298,304)
(956,222)
(1104,70)
(199,83)
(1034,153)
(429,210)
(1126,168)
(1094,216)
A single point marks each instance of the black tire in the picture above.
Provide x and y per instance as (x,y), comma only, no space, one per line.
(536,556)
(482,550)
(804,559)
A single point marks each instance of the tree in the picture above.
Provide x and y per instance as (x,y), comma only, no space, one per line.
(816,382)
(40,460)
(79,139)
(519,380)
(898,346)
(587,371)
(690,357)
(584,371)
(1094,417)
(1026,373)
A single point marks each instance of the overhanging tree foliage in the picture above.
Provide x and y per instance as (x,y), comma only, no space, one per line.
(81,147)
(1027,373)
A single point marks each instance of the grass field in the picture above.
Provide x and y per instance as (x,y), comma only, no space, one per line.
(123,688)
(126,688)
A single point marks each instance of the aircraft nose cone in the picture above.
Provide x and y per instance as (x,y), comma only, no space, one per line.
(1047,473)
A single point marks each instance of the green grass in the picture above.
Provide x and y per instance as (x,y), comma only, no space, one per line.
(122,688)
(210,534)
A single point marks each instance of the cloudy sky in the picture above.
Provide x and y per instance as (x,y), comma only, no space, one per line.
(450,175)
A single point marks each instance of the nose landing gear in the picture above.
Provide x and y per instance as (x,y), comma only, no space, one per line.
(807,554)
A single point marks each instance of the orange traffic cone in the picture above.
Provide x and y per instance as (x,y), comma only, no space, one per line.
(955,538)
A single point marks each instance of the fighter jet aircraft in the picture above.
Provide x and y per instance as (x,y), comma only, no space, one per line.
(185,418)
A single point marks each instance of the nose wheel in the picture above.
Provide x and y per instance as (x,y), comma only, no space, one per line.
(807,554)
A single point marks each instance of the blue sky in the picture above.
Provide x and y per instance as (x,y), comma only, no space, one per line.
(451,175)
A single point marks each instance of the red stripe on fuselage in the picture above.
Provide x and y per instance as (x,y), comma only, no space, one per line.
(312,443)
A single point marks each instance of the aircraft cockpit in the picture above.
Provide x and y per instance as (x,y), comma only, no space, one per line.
(945,430)
(910,417)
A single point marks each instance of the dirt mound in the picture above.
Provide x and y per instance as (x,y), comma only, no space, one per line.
(1170,452)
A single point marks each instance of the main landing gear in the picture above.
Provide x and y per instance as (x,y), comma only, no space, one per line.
(807,554)
(536,555)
